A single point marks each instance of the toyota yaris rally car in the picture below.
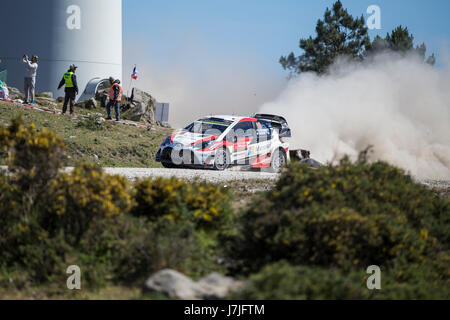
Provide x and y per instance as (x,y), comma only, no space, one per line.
(219,142)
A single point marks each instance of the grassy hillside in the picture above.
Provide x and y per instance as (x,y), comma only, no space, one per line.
(114,144)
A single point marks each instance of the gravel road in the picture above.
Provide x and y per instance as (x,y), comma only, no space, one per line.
(234,174)
(191,174)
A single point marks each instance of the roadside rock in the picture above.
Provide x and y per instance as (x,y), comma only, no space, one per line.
(178,286)
(218,286)
(90,104)
(312,163)
(47,102)
(142,107)
(99,120)
(174,284)
(14,93)
(46,94)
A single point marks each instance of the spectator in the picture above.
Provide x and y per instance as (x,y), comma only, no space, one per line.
(30,78)
(71,90)
(115,96)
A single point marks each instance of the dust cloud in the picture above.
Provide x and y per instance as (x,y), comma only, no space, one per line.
(399,105)
(199,81)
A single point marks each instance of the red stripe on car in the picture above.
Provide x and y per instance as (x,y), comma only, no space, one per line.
(248,119)
(263,161)
(204,140)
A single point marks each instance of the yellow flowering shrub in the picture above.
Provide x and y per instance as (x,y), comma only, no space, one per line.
(33,157)
(345,216)
(202,203)
(83,195)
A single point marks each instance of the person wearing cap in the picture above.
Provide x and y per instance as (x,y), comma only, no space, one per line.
(115,96)
(30,78)
(71,88)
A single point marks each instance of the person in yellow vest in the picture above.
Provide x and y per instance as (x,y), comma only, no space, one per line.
(71,90)
(115,96)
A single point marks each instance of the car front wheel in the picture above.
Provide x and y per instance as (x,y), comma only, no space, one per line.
(222,159)
(169,165)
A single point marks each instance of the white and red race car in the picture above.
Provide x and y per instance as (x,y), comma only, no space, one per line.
(219,142)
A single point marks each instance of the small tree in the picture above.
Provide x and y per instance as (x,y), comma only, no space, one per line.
(338,34)
(400,41)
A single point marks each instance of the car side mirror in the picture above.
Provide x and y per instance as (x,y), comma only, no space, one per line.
(235,139)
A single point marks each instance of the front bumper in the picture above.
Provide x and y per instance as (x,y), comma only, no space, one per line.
(184,156)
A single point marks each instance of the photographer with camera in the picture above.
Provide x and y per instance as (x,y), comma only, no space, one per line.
(30,78)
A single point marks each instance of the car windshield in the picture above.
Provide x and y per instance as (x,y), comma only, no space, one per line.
(213,126)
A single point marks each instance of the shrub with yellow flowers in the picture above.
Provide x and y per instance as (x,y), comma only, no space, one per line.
(345,216)
(80,197)
(33,159)
(200,202)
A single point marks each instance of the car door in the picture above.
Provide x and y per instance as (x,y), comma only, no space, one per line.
(243,137)
(264,137)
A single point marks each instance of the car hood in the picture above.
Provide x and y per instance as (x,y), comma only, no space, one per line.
(186,138)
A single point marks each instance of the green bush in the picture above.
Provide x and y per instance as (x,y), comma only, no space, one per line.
(10,208)
(202,203)
(27,247)
(347,216)
(282,281)
(103,244)
(167,244)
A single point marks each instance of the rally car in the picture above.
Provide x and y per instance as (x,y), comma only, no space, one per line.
(218,142)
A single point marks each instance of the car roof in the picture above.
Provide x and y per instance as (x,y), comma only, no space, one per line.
(231,118)
(226,117)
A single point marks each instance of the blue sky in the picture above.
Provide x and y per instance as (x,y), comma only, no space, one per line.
(185,49)
(265,29)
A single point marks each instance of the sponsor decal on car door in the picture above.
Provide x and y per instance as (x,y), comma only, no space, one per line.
(264,138)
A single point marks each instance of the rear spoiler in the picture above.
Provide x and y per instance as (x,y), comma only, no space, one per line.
(276,121)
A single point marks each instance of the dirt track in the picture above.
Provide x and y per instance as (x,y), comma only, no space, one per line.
(443,186)
(191,174)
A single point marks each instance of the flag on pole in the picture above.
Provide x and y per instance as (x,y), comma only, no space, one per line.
(134,74)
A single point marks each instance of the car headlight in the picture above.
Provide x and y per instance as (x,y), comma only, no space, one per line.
(203,145)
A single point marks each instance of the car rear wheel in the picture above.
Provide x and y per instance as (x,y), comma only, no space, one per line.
(278,161)
(222,159)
